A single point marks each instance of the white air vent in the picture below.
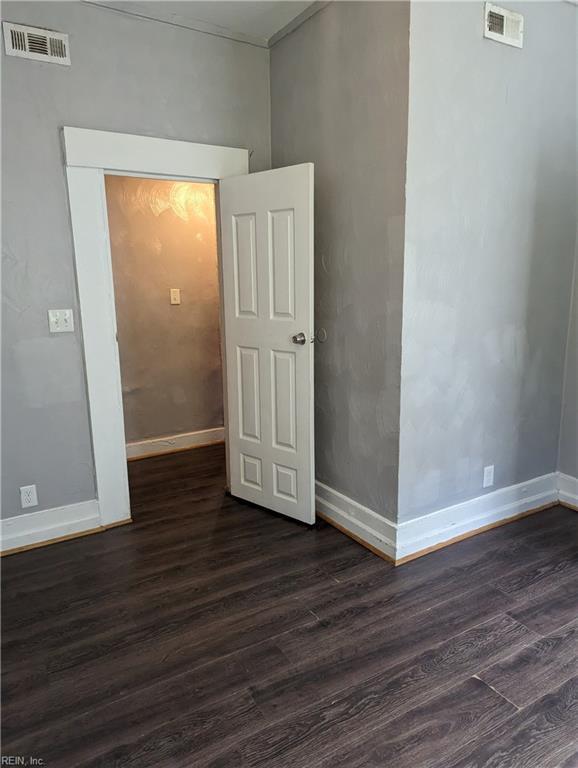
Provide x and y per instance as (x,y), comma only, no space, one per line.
(37,44)
(504,26)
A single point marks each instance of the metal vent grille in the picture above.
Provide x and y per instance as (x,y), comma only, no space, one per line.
(18,40)
(496,22)
(503,26)
(57,47)
(36,44)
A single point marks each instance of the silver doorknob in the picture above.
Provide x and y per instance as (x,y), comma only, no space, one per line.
(299,338)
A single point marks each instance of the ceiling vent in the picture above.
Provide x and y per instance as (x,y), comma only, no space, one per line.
(504,26)
(37,44)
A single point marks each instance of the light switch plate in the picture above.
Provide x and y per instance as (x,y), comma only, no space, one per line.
(175,295)
(60,321)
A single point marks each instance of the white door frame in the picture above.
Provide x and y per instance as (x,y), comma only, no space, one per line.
(89,155)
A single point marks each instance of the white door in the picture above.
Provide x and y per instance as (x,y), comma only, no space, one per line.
(267,258)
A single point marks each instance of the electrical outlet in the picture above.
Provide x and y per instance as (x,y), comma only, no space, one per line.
(488,476)
(28,496)
(175,295)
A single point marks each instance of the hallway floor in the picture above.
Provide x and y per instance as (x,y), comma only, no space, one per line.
(212,633)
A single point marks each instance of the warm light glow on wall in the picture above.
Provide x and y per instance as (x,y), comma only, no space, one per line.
(163,235)
(186,199)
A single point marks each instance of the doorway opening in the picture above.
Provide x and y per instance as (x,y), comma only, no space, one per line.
(164,254)
(266,239)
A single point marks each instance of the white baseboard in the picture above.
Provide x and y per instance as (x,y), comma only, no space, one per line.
(362,522)
(469,516)
(401,540)
(174,442)
(47,524)
(568,489)
(396,541)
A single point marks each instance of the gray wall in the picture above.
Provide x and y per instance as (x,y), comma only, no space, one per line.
(127,75)
(339,99)
(163,235)
(490,235)
(568,459)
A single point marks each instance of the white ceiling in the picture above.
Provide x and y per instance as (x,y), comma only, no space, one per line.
(251,22)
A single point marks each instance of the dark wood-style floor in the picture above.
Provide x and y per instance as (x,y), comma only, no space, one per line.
(212,633)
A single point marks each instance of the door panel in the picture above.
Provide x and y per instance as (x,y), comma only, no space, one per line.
(248,377)
(284,415)
(267,255)
(282,265)
(245,266)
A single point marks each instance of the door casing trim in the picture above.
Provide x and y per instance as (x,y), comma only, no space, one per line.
(89,155)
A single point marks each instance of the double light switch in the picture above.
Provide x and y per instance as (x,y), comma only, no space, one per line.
(60,321)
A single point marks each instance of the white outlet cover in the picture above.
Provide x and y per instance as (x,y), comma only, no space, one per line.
(60,321)
(488,476)
(175,295)
(28,496)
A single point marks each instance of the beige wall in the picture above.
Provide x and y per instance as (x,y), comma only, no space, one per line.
(339,90)
(489,249)
(155,80)
(163,236)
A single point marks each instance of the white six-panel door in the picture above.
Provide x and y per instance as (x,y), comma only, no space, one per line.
(267,263)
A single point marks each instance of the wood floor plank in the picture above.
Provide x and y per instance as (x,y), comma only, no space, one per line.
(329,725)
(71,594)
(158,623)
(77,737)
(150,604)
(550,611)
(106,670)
(540,736)
(441,726)
(540,577)
(543,534)
(570,762)
(536,670)
(347,655)
(412,591)
(195,733)
(170,541)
